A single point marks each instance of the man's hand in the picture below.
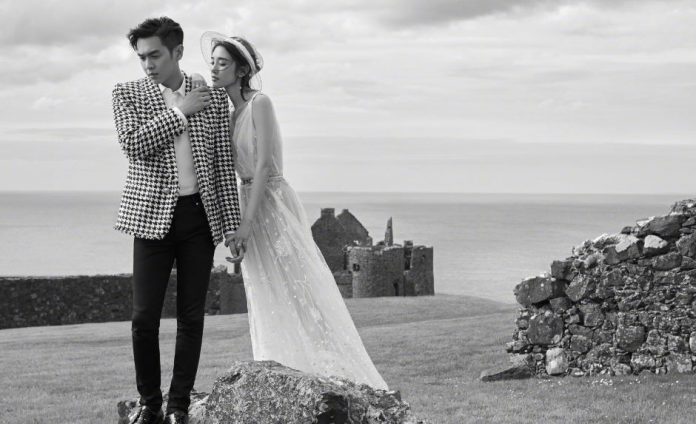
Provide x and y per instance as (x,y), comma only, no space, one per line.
(195,101)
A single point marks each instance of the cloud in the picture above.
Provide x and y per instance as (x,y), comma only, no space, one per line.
(31,64)
(57,23)
(530,70)
(406,13)
(419,13)
(46,102)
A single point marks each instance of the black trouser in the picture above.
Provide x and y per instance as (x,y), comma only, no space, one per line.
(189,242)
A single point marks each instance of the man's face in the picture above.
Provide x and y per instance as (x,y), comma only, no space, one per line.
(157,61)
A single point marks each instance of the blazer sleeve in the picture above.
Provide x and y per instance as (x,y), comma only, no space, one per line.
(225,175)
(141,139)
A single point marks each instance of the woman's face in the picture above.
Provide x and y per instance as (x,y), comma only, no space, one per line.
(223,71)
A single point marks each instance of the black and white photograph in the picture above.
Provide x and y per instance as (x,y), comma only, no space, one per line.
(349,211)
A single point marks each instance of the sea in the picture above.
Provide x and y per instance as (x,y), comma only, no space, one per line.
(484,244)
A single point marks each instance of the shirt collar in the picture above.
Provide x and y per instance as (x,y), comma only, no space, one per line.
(181,90)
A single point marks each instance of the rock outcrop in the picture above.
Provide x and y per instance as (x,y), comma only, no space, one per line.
(267,392)
(621,303)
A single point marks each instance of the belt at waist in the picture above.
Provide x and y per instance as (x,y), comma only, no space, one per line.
(246,181)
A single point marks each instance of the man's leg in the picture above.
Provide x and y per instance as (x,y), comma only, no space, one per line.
(152,265)
(194,260)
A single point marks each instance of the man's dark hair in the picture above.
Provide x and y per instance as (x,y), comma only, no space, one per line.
(165,28)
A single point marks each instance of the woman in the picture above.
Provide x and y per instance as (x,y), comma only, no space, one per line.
(296,313)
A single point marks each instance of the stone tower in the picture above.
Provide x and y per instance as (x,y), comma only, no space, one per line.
(377,270)
(331,238)
(389,234)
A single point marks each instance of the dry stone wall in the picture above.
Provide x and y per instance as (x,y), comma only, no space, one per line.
(35,301)
(620,304)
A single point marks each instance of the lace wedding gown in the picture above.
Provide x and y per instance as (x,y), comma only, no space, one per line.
(296,313)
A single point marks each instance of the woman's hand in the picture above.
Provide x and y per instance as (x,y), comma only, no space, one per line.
(241,236)
(237,242)
(197,80)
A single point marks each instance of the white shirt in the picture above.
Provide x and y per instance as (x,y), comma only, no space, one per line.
(188,182)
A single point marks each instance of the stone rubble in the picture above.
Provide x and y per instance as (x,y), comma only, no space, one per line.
(620,304)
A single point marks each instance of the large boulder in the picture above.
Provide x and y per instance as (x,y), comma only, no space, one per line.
(581,287)
(560,304)
(630,337)
(664,226)
(654,245)
(265,391)
(545,329)
(592,315)
(677,344)
(605,240)
(655,343)
(579,330)
(556,361)
(628,248)
(561,269)
(641,361)
(680,363)
(687,245)
(685,206)
(538,289)
(580,344)
(667,261)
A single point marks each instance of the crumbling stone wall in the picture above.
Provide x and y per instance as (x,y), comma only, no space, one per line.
(356,233)
(344,281)
(34,301)
(331,238)
(418,277)
(620,304)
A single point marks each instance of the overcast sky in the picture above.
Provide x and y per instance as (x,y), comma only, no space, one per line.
(399,95)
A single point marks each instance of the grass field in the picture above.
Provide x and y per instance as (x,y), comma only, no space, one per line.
(432,349)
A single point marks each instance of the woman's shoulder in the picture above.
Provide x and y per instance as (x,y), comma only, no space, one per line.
(258,94)
(261,100)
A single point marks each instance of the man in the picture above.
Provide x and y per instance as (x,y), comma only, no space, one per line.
(179,199)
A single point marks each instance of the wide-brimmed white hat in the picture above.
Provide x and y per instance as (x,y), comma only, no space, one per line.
(252,56)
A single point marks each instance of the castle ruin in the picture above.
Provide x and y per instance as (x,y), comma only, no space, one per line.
(362,269)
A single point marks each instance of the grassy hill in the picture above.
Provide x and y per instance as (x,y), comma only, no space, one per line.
(431,348)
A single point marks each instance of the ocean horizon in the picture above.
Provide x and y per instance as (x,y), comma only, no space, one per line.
(484,243)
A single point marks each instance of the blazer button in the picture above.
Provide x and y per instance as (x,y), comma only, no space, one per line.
(166,190)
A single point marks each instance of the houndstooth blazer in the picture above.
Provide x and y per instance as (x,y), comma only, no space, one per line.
(146,129)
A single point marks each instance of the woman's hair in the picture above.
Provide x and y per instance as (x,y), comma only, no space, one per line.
(239,59)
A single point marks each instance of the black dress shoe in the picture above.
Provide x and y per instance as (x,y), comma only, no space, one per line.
(177,417)
(147,415)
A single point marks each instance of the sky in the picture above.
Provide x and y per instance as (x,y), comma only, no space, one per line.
(506,96)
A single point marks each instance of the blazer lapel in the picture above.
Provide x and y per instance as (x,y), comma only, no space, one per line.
(200,142)
(154,95)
